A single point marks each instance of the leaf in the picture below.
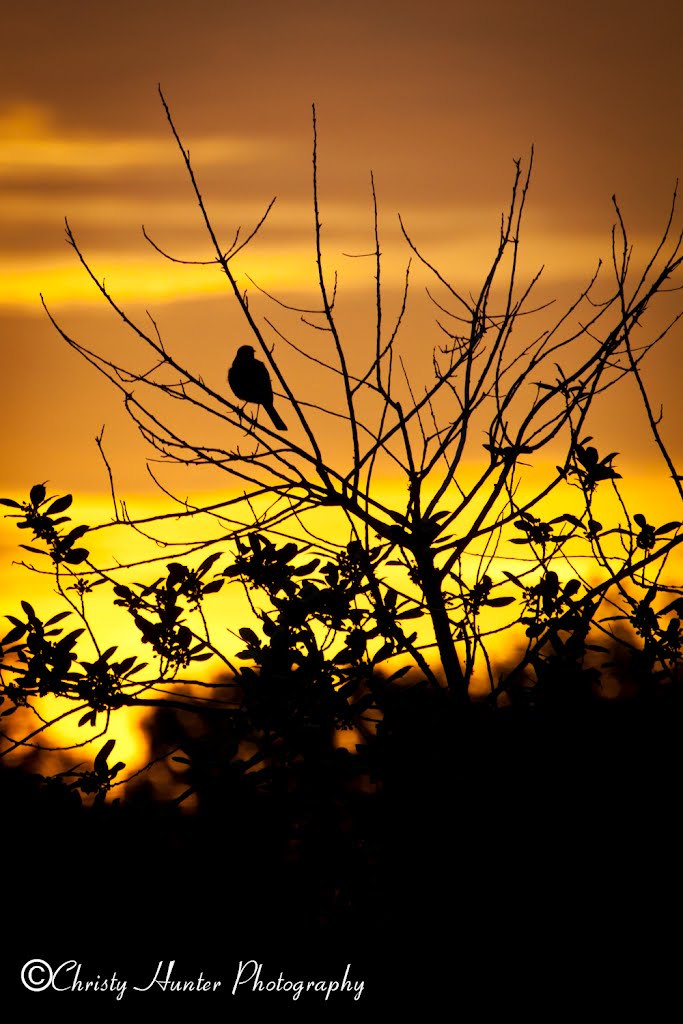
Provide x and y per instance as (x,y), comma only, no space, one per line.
(70,639)
(302,570)
(14,634)
(57,618)
(34,551)
(29,610)
(249,636)
(498,602)
(18,649)
(385,651)
(268,626)
(101,766)
(395,675)
(37,495)
(10,502)
(233,570)
(213,587)
(666,528)
(551,582)
(60,505)
(75,534)
(588,457)
(287,553)
(208,562)
(88,718)
(135,669)
(640,519)
(513,579)
(566,518)
(76,556)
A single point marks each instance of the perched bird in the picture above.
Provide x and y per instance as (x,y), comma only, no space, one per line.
(250,382)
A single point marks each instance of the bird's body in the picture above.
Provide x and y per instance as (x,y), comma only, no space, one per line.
(250,382)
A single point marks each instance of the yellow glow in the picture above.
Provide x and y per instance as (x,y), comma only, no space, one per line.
(86,154)
(229,610)
(131,278)
(142,280)
(31,141)
(24,120)
(458,238)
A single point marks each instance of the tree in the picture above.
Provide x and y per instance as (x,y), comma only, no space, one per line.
(421,581)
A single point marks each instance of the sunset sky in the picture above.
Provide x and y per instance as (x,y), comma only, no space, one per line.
(436,99)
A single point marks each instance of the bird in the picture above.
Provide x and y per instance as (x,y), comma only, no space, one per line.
(249,381)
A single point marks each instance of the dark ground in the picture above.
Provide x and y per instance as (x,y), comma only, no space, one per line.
(524,861)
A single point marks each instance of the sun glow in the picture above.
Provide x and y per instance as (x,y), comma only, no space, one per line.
(47,174)
(32,141)
(231,608)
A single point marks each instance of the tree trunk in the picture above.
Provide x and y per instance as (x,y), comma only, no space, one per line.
(430,581)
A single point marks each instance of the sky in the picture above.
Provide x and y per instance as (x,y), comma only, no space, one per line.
(436,99)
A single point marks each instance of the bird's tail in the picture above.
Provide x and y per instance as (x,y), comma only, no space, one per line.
(277,421)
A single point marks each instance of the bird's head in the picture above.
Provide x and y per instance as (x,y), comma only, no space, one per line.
(245,352)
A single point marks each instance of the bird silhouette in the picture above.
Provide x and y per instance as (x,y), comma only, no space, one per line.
(249,381)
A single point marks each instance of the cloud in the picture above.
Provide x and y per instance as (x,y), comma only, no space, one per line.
(109,186)
(283,267)
(31,140)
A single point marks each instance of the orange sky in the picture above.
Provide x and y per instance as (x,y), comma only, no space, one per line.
(437,99)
